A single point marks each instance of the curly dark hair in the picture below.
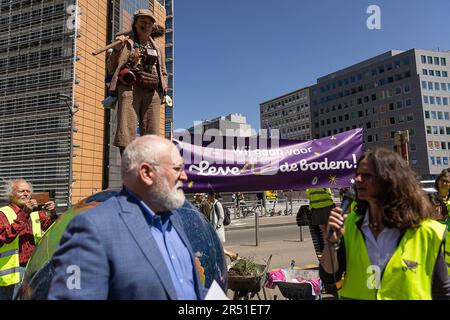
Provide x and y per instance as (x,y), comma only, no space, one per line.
(404,203)
(444,173)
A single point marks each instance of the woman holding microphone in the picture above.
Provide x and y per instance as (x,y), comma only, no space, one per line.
(388,246)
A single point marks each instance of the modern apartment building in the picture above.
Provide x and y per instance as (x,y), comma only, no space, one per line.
(289,114)
(52,123)
(397,90)
(231,125)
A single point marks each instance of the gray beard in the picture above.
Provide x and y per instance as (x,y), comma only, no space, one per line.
(166,198)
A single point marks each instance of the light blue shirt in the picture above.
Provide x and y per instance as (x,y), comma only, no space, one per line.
(174,251)
(382,248)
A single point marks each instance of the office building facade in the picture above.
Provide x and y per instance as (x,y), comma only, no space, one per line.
(289,113)
(395,91)
(53,129)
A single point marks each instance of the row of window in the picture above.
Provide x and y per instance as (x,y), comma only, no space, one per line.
(439,161)
(284,112)
(364,75)
(433,73)
(438,130)
(367,86)
(435,100)
(437,86)
(433,60)
(56,30)
(32,16)
(437,115)
(280,122)
(438,145)
(294,98)
(29,59)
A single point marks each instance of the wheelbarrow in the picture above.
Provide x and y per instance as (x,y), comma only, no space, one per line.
(245,287)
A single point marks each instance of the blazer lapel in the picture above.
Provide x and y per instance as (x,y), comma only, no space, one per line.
(134,219)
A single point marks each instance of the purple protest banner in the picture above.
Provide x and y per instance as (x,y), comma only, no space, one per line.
(230,164)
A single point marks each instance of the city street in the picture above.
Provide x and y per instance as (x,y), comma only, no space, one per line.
(279,236)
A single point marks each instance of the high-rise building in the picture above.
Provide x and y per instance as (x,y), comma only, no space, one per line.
(289,114)
(52,123)
(394,91)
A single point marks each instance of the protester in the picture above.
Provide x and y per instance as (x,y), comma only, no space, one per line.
(320,204)
(441,201)
(139,80)
(133,246)
(21,228)
(217,215)
(391,248)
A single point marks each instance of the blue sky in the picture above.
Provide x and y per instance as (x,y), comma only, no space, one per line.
(231,55)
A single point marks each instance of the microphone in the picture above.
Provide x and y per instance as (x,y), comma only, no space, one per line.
(347,199)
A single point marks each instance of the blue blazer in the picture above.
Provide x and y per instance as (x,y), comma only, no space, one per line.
(112,252)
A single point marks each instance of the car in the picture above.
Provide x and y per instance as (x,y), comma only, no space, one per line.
(428,186)
(207,248)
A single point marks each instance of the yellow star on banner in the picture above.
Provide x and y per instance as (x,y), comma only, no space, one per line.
(333,179)
(190,184)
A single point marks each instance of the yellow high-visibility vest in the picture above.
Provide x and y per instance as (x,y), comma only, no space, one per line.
(9,252)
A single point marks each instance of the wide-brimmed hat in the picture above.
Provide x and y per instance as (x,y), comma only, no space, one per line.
(144,13)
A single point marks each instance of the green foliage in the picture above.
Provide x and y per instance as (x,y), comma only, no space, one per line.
(246,267)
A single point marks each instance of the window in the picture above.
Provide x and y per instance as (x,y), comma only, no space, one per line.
(392,120)
(407,88)
(431,100)
(425,99)
(408,103)
(446,116)
(438,161)
(443,86)
(440,116)
(398,90)
(443,145)
(447,129)
(438,101)
(368,125)
(444,74)
(428,129)
(435,130)
(438,73)
(436,60)
(443,62)
(430,85)
(425,72)
(445,101)
(433,115)
(410,117)
(424,84)
(401,118)
(431,72)
(427,115)
(397,64)
(436,86)
(423,59)
(445,161)
(430,60)
(399,104)
(433,161)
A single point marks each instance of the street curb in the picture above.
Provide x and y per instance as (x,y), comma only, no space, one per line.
(260,226)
